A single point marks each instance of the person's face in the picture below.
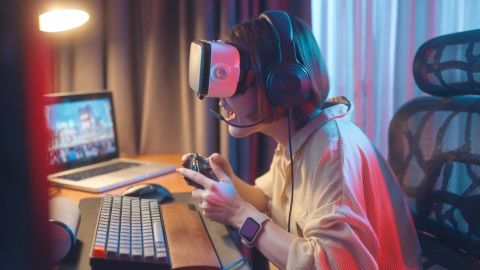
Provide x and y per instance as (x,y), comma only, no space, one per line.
(237,109)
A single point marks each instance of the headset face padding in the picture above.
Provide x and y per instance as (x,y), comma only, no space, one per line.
(287,81)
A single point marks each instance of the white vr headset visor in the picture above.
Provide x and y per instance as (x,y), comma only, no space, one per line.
(214,68)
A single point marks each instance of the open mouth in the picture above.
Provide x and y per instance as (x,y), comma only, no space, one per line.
(227,114)
(230,115)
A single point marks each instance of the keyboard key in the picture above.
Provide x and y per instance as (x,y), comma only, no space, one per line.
(161,257)
(149,253)
(112,250)
(98,251)
(136,253)
(124,252)
(158,232)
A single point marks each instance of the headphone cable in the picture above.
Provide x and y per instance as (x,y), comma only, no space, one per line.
(291,165)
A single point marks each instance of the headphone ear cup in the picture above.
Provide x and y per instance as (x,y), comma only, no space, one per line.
(288,85)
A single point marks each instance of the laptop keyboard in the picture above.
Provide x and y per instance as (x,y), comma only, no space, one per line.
(99,171)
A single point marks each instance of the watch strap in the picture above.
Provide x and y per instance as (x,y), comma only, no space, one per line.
(260,218)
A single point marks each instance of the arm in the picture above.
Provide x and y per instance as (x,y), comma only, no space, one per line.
(221,202)
(335,238)
(332,238)
(273,241)
(252,194)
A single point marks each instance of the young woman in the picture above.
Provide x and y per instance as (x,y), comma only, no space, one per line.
(347,210)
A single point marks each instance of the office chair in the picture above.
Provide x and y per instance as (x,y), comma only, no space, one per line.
(434,144)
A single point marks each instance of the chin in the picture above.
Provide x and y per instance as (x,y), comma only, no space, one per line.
(238,133)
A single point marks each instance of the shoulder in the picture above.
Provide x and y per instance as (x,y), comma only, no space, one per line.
(325,140)
(334,151)
(324,152)
(339,135)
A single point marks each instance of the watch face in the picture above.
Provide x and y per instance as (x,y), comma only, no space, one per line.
(249,229)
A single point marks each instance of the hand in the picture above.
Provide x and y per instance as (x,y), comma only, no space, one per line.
(219,201)
(218,159)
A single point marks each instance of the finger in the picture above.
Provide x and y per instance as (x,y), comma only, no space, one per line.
(212,196)
(216,199)
(219,173)
(203,205)
(197,193)
(217,158)
(185,157)
(212,199)
(214,215)
(222,162)
(224,191)
(196,177)
(215,204)
(207,215)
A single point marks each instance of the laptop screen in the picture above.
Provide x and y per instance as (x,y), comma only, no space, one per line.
(82,129)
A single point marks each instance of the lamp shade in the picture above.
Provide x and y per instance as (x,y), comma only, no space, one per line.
(63,15)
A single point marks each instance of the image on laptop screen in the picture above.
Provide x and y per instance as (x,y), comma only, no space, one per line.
(81,130)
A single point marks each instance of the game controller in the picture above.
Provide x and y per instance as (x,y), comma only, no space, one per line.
(199,164)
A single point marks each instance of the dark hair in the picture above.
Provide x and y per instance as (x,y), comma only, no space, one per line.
(255,42)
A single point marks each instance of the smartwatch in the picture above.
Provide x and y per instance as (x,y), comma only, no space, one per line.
(251,229)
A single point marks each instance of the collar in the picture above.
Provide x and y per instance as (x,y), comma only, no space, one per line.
(337,107)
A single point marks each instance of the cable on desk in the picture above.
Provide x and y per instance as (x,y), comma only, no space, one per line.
(243,260)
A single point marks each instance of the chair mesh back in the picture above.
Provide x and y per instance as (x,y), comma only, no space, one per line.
(435,153)
(449,65)
(434,150)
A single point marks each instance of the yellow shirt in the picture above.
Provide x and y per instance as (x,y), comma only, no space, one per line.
(348,210)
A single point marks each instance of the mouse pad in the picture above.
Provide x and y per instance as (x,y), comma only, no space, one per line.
(79,257)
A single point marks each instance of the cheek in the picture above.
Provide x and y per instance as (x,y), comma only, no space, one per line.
(243,104)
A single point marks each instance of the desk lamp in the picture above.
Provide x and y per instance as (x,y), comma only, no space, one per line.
(62,15)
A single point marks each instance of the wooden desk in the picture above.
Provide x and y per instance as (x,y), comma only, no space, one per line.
(225,247)
(173,181)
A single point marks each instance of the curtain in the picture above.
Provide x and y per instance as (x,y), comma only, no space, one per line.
(138,49)
(369,46)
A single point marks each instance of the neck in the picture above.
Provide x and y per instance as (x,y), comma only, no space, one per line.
(278,130)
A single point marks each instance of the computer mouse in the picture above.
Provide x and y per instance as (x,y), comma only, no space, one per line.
(150,191)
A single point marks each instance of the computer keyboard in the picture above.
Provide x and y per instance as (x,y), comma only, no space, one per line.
(129,235)
(99,171)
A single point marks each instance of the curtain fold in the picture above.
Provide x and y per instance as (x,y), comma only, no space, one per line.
(139,50)
(369,46)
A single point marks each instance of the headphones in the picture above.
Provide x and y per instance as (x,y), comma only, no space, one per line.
(214,67)
(287,81)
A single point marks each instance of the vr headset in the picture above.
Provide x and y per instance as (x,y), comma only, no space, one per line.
(214,68)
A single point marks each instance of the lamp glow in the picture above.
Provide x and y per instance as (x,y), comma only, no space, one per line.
(62,19)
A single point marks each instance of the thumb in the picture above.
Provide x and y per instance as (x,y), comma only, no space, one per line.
(222,162)
(219,173)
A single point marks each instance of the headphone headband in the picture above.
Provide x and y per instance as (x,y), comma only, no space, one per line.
(281,26)
(287,81)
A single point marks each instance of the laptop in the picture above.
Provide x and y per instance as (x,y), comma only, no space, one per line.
(83,150)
